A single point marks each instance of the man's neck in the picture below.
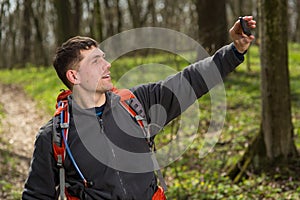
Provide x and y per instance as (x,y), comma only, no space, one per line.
(89,99)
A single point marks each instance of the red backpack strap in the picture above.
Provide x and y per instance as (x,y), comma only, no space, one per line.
(129,101)
(61,106)
(135,109)
(60,126)
(159,194)
(70,197)
(63,96)
(125,94)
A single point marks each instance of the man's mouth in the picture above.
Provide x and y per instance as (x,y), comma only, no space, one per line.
(106,76)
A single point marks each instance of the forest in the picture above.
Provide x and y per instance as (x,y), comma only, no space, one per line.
(253,151)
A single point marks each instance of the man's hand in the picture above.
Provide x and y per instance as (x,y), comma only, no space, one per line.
(242,41)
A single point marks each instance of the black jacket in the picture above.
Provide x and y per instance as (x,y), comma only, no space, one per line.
(106,149)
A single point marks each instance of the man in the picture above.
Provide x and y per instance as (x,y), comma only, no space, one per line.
(99,127)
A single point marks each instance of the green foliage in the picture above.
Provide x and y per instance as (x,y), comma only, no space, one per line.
(8,171)
(193,176)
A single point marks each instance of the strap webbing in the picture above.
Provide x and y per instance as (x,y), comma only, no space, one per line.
(61,178)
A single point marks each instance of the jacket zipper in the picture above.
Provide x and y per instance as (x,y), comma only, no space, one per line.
(113,152)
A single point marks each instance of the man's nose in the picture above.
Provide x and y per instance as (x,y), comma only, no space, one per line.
(106,65)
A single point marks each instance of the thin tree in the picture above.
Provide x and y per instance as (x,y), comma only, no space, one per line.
(99,21)
(119,16)
(296,37)
(26,32)
(212,24)
(139,11)
(63,22)
(76,17)
(109,15)
(41,55)
(3,5)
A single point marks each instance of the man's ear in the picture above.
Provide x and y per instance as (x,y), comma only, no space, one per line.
(72,76)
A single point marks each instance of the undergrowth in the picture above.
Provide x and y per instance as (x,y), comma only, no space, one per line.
(8,165)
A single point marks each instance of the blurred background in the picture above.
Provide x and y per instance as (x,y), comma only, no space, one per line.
(31,30)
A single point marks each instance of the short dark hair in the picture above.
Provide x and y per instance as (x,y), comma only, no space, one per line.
(68,56)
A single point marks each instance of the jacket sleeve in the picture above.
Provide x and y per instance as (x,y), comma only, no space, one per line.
(177,92)
(43,173)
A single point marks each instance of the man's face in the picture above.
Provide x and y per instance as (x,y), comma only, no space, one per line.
(93,72)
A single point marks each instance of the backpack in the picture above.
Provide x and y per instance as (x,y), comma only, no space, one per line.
(61,128)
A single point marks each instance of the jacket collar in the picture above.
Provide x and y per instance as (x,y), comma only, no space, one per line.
(112,100)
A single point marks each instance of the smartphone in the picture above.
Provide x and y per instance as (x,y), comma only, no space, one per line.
(245,27)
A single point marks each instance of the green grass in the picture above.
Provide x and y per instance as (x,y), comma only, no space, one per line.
(40,83)
(192,177)
(294,63)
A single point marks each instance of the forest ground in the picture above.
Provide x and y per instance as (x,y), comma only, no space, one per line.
(20,119)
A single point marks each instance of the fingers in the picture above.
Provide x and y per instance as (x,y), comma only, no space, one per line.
(237,31)
(240,39)
(250,21)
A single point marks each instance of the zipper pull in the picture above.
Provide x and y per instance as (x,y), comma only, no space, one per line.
(100,122)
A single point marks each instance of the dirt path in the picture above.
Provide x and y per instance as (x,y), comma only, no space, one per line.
(18,128)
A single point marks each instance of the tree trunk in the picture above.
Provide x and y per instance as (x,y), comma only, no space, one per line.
(109,18)
(26,32)
(99,21)
(212,23)
(2,56)
(276,100)
(1,16)
(13,56)
(152,10)
(297,31)
(77,17)
(119,17)
(274,146)
(64,19)
(137,13)
(134,10)
(42,57)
